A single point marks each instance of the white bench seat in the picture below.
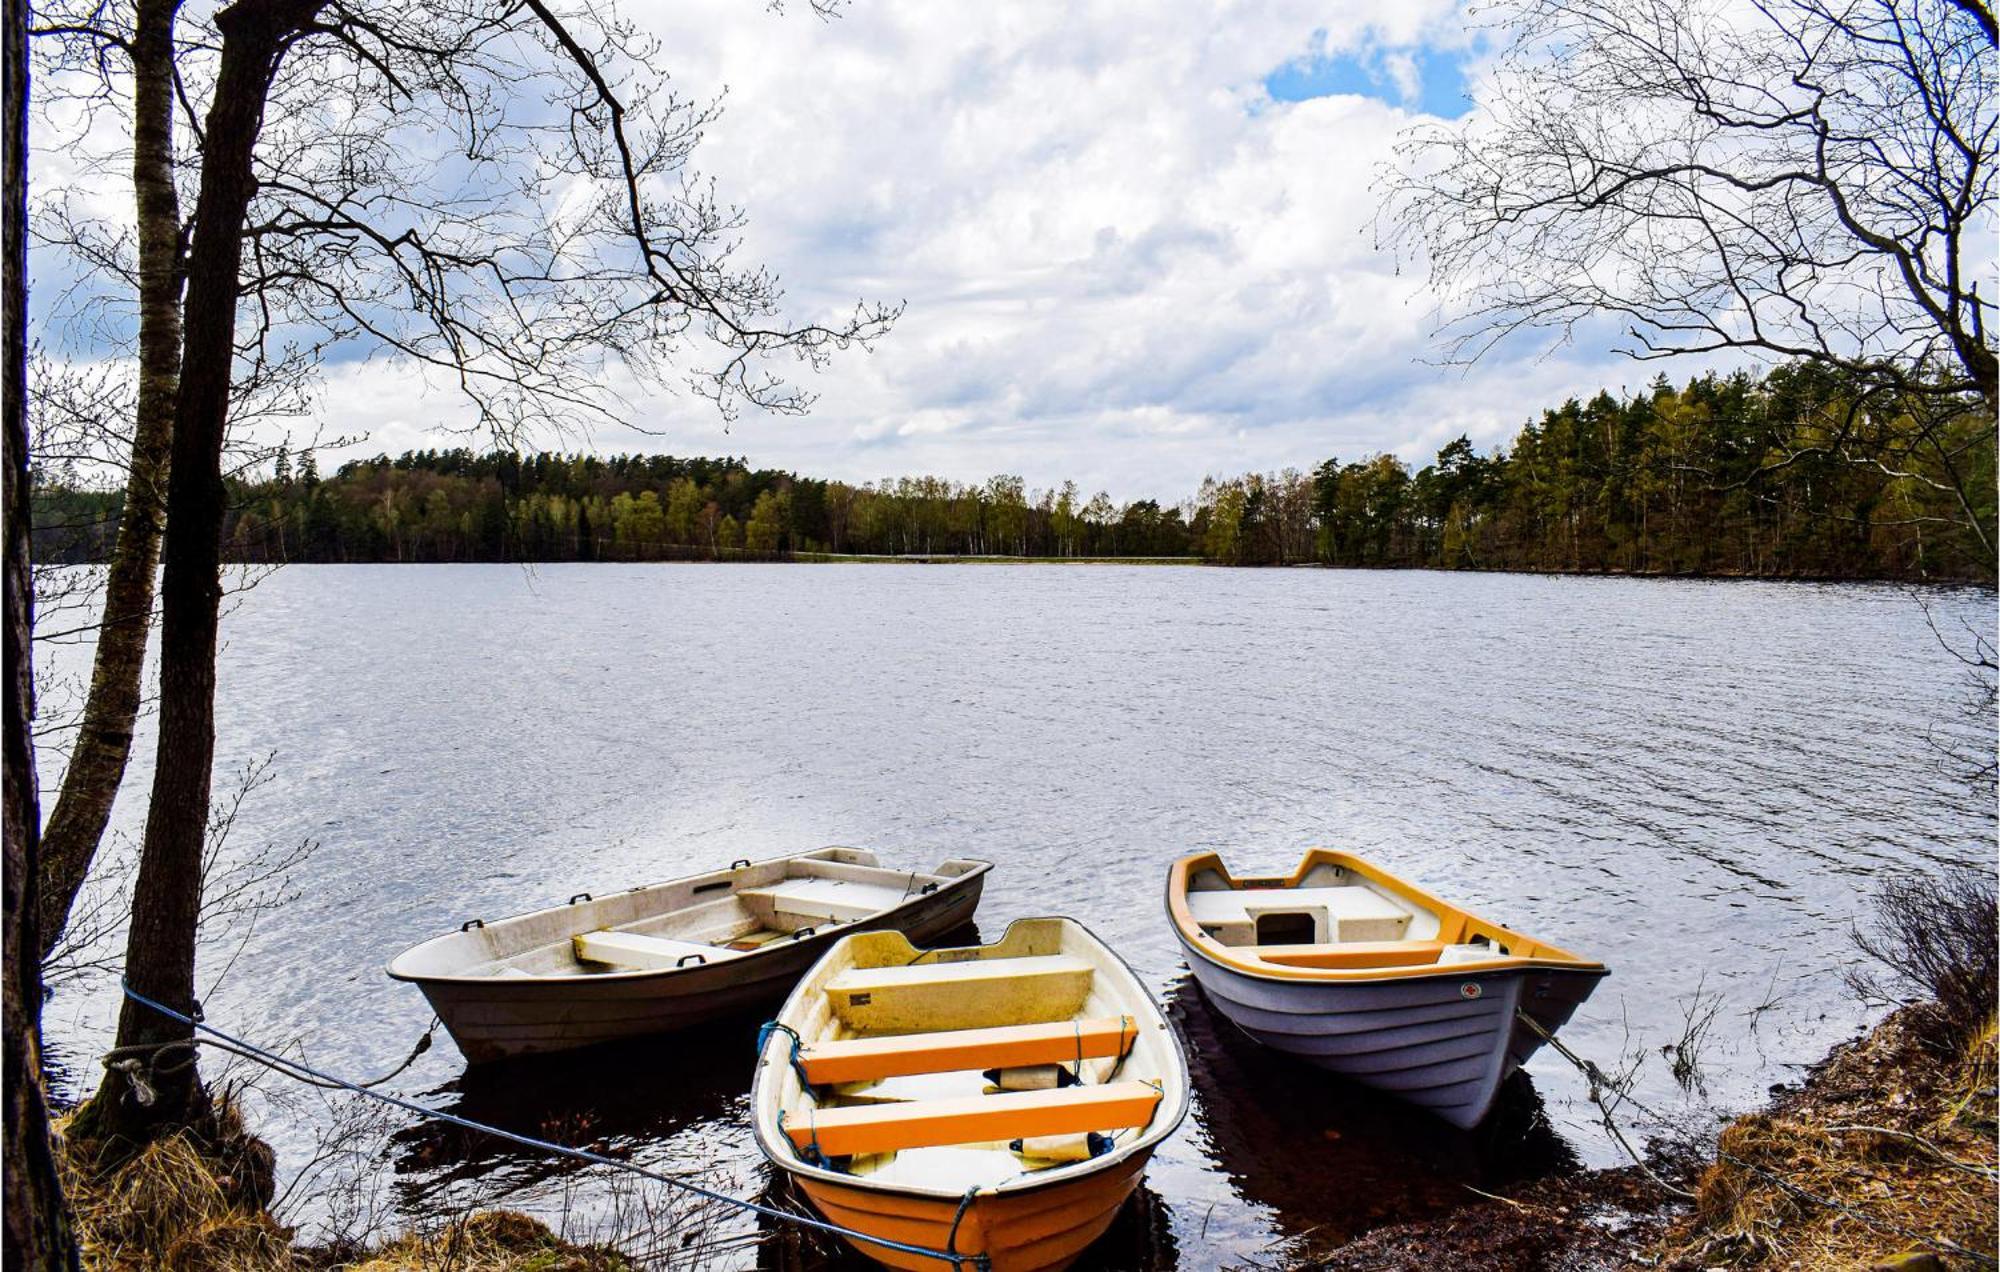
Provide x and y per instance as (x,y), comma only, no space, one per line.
(636,952)
(827,900)
(1350,913)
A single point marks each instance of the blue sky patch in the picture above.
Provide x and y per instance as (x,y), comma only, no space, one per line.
(1416,78)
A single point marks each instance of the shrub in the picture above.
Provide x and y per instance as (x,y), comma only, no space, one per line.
(1938,937)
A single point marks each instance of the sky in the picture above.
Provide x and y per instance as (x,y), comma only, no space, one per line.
(1134,242)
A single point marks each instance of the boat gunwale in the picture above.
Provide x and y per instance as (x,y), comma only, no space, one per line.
(786,1158)
(980,869)
(1193,940)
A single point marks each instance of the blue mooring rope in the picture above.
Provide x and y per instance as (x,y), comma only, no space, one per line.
(293,1068)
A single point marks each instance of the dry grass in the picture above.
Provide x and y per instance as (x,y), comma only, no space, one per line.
(194,1202)
(493,1241)
(1888,1148)
(189,1201)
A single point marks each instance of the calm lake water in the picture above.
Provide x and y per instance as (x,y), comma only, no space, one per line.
(1695,781)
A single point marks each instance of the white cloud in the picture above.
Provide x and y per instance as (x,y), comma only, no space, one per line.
(1123,262)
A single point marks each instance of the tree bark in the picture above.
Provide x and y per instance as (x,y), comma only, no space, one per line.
(166,901)
(36,1233)
(104,739)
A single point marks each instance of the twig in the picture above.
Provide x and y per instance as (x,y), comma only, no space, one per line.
(1971,1168)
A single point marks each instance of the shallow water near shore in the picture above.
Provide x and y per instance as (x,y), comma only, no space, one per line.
(1693,781)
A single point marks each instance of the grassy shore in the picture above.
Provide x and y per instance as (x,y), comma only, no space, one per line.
(196,1201)
(1883,1158)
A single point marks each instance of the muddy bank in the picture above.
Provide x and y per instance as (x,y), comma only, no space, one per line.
(1883,1157)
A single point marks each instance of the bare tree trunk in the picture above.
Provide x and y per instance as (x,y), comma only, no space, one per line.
(36,1233)
(166,902)
(104,740)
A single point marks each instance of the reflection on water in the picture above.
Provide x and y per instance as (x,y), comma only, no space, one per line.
(614,1100)
(1330,1159)
(1696,782)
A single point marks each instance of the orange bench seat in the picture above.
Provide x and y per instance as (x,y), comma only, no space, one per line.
(1353,954)
(1012,1115)
(1005,1047)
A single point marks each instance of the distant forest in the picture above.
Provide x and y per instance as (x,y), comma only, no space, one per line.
(1736,475)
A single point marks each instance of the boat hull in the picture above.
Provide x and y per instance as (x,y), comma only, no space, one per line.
(1443,1042)
(499,1018)
(1032,1230)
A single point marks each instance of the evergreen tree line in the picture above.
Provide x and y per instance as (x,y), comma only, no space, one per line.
(1727,475)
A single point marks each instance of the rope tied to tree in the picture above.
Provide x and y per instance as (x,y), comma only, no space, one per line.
(301,1072)
(141,1062)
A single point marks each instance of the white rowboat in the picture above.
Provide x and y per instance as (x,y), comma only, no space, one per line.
(669,955)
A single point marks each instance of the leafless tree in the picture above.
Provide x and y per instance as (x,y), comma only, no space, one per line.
(494,192)
(1808,179)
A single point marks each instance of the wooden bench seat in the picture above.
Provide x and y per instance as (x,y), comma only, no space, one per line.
(638,952)
(1353,954)
(971,994)
(890,1128)
(1005,1047)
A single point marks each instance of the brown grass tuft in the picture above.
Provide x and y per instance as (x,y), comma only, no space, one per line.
(178,1204)
(193,1201)
(1887,1148)
(492,1241)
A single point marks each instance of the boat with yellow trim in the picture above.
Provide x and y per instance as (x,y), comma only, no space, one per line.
(1364,974)
(998,1102)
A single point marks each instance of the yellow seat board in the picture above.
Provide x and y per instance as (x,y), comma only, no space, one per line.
(1003,1047)
(890,1128)
(972,994)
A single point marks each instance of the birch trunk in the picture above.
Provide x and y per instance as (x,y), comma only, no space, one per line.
(104,740)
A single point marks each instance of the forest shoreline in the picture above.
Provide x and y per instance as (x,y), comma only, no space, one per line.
(1942,582)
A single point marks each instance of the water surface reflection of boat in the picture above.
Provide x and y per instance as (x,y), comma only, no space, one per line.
(1332,1160)
(689,1107)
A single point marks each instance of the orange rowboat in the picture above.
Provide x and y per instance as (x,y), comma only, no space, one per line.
(996,1103)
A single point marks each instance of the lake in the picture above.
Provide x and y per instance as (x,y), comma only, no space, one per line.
(1696,782)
